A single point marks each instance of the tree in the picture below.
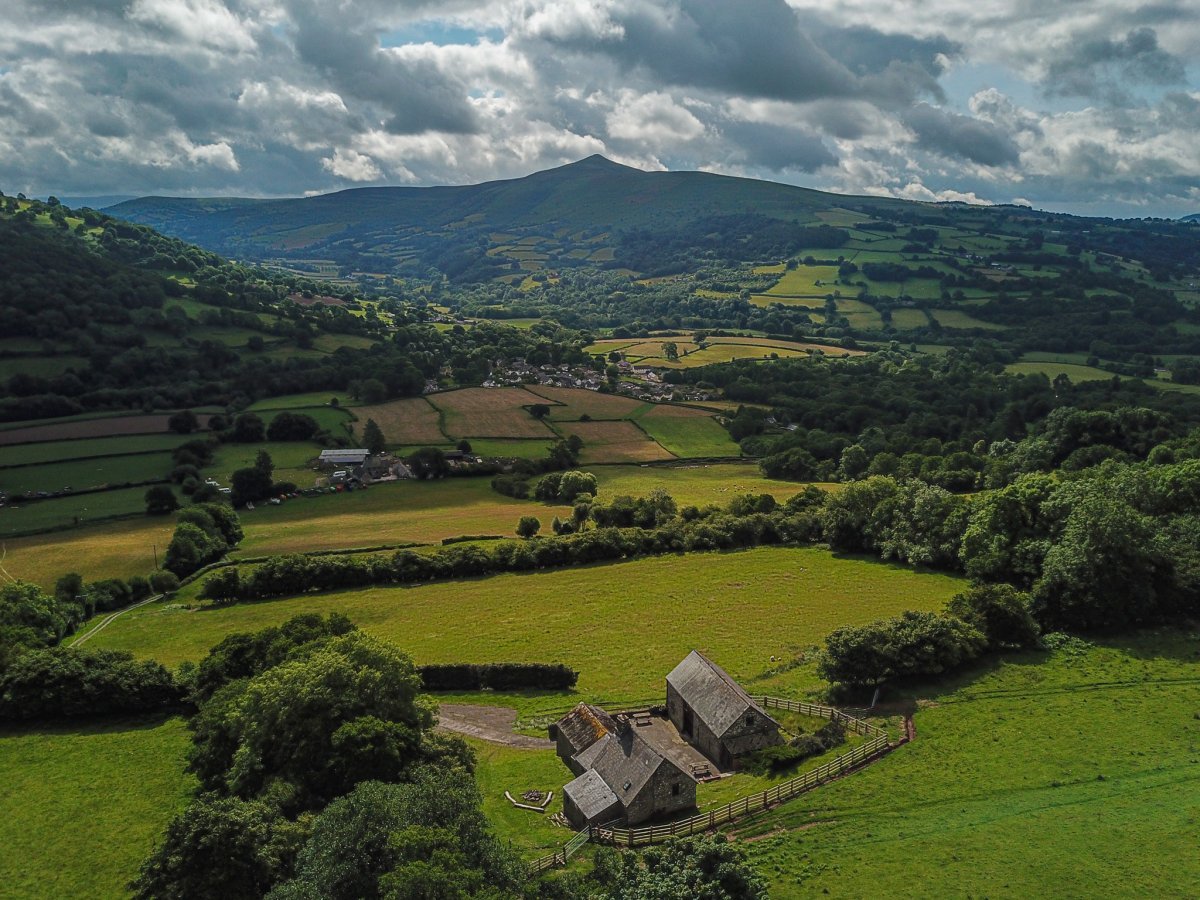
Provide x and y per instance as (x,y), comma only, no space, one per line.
(1000,612)
(428,462)
(539,410)
(707,868)
(247,429)
(160,500)
(1109,568)
(288,724)
(183,422)
(671,350)
(220,847)
(290,426)
(423,840)
(909,645)
(528,526)
(250,485)
(373,438)
(63,681)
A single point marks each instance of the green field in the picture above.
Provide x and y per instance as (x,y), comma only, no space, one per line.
(302,401)
(57,451)
(80,474)
(1052,370)
(1074,774)
(83,805)
(909,319)
(956,318)
(640,617)
(291,460)
(691,436)
(58,512)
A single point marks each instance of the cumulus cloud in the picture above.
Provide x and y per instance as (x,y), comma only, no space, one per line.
(906,98)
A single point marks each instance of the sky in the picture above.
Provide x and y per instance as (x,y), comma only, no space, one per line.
(1083,106)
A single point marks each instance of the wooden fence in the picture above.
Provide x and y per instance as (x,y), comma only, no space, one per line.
(878,744)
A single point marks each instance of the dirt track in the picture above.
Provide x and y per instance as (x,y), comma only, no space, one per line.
(488,723)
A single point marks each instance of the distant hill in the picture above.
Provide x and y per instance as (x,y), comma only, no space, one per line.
(386,226)
(598,214)
(1194,217)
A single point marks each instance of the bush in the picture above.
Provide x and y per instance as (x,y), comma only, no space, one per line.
(1000,611)
(910,645)
(514,486)
(62,682)
(164,582)
(290,426)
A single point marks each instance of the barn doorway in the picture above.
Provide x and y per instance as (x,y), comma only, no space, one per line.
(687,721)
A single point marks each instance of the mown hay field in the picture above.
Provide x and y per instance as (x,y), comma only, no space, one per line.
(83,804)
(575,403)
(622,625)
(115,549)
(614,442)
(411,421)
(488,412)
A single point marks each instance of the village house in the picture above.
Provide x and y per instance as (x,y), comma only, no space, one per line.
(714,714)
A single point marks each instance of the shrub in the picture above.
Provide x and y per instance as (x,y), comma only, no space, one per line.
(910,645)
(63,682)
(1000,611)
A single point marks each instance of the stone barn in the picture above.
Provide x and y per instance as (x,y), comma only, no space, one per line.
(714,714)
(578,730)
(625,777)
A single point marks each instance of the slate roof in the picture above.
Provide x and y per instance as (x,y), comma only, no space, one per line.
(624,761)
(584,725)
(590,794)
(716,699)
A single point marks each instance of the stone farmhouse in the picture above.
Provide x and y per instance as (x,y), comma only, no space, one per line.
(638,766)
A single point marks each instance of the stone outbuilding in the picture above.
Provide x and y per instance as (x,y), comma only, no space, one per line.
(714,714)
(578,730)
(625,777)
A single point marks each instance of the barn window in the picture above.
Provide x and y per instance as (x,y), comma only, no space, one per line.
(675,790)
(749,721)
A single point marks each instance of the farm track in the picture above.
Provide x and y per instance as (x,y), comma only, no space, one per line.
(488,723)
(107,620)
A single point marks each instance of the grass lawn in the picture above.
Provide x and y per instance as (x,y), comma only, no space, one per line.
(640,618)
(83,804)
(1073,773)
